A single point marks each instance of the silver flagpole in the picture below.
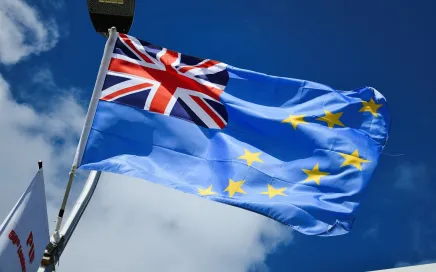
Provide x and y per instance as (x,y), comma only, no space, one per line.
(57,241)
(78,209)
(52,255)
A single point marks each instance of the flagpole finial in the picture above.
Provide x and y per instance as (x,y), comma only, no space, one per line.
(39,164)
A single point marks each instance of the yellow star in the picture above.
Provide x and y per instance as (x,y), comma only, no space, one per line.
(272,192)
(250,157)
(314,174)
(295,120)
(353,159)
(332,119)
(370,106)
(235,187)
(206,192)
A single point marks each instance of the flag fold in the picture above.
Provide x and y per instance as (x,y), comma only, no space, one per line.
(296,151)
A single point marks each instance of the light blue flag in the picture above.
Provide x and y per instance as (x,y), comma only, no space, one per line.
(296,151)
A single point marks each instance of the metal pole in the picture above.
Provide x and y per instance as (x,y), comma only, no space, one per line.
(57,242)
(96,94)
(88,123)
(56,236)
(79,208)
(51,258)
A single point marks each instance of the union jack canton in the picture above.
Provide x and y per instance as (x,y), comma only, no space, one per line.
(163,81)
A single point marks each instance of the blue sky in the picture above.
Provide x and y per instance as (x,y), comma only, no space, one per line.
(389,45)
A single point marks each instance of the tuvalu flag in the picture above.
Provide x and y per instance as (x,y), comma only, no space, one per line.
(293,150)
(24,233)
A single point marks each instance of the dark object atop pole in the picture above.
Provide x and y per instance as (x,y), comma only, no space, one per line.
(108,13)
(39,164)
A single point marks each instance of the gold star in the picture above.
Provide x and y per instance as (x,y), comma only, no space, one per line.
(295,120)
(370,106)
(250,157)
(332,119)
(272,192)
(235,187)
(314,174)
(206,192)
(353,159)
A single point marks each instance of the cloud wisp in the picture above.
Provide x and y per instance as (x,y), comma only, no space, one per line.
(24,31)
(28,136)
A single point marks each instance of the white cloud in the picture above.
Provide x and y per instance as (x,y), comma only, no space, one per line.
(24,31)
(406,264)
(44,77)
(130,224)
(28,136)
(133,225)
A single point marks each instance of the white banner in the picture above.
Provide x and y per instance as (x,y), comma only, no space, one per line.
(24,233)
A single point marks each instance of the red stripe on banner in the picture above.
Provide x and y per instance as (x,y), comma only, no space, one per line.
(205,64)
(126,90)
(126,39)
(210,112)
